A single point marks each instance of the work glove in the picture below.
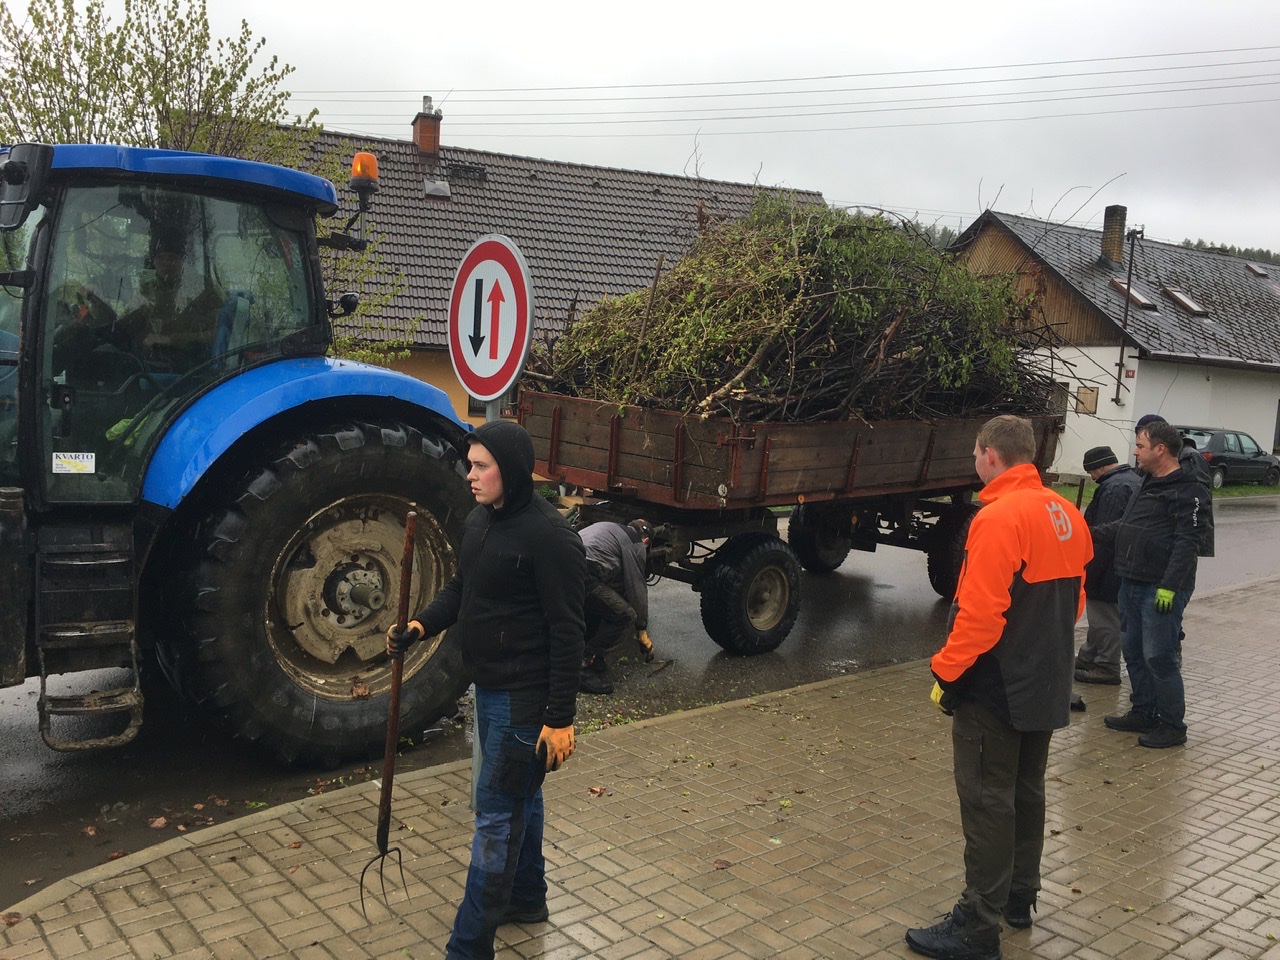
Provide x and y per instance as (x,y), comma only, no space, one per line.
(936,696)
(555,745)
(646,646)
(1164,600)
(399,641)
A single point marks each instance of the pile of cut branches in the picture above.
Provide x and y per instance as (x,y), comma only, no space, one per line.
(801,313)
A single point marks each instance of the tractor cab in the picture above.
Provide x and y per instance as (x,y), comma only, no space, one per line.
(124,298)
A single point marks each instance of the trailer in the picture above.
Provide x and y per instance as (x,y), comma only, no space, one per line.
(714,490)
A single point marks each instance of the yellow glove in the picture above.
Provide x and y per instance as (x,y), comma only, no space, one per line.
(555,744)
(936,696)
(646,646)
(399,641)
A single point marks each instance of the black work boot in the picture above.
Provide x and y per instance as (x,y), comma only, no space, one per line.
(1163,736)
(1017,912)
(1132,722)
(532,913)
(949,941)
(595,676)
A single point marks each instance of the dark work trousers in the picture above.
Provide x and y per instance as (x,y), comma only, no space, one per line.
(1000,781)
(609,618)
(507,867)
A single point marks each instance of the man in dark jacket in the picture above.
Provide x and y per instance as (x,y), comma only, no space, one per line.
(1191,461)
(516,600)
(1099,658)
(617,604)
(1156,542)
(1005,676)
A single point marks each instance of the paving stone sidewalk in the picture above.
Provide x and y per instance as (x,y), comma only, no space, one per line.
(815,822)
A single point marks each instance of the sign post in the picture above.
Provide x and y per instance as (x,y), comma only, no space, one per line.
(490,320)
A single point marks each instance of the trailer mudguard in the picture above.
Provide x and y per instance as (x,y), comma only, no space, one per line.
(208,428)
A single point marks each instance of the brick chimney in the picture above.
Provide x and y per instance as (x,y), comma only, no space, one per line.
(426,132)
(1112,233)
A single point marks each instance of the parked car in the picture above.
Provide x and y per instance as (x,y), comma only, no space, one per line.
(1234,457)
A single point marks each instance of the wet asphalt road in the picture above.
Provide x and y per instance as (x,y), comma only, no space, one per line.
(62,813)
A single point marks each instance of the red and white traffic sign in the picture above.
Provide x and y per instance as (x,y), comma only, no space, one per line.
(490,317)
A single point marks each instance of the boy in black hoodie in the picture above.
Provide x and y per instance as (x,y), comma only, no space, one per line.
(517,602)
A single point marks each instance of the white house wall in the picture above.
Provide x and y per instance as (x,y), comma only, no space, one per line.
(1179,392)
(1212,397)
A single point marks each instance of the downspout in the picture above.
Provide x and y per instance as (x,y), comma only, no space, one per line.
(1124,318)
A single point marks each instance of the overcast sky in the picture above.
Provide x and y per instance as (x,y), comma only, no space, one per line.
(1054,110)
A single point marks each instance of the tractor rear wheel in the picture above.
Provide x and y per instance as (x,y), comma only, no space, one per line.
(295,584)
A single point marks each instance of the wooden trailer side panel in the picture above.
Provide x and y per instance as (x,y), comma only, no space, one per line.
(681,461)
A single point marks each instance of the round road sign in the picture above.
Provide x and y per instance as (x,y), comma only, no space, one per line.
(490,317)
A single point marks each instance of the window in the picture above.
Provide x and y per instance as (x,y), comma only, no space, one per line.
(1134,296)
(1248,446)
(1256,270)
(1086,400)
(1232,443)
(154,294)
(1185,301)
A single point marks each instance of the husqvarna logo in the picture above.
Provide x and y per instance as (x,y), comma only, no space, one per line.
(1061,520)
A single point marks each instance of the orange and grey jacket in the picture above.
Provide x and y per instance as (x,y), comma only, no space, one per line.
(1011,641)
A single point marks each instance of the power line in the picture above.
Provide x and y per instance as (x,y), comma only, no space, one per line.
(852,111)
(950,84)
(1168,84)
(885,126)
(828,77)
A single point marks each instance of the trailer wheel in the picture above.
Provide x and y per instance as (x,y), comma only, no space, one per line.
(751,594)
(946,552)
(296,581)
(816,540)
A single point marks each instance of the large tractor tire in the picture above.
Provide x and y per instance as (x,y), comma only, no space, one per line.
(296,580)
(815,536)
(946,552)
(751,594)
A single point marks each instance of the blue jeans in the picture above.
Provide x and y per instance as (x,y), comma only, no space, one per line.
(507,867)
(1152,654)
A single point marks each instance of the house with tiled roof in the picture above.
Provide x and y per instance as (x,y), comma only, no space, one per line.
(585,232)
(1143,327)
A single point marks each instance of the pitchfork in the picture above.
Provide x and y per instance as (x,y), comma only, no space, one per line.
(393,725)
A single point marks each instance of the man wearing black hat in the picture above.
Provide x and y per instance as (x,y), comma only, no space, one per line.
(1099,658)
(617,604)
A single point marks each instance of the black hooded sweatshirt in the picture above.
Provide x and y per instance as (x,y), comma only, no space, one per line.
(516,600)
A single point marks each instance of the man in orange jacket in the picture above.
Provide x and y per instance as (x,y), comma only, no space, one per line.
(1004,675)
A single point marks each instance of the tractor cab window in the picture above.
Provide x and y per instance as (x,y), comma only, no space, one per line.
(152,295)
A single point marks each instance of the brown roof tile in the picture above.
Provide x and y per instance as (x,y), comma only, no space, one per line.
(585,231)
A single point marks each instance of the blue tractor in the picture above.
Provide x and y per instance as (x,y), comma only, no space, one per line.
(187,478)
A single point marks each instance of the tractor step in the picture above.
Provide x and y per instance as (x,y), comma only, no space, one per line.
(72,647)
(98,703)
